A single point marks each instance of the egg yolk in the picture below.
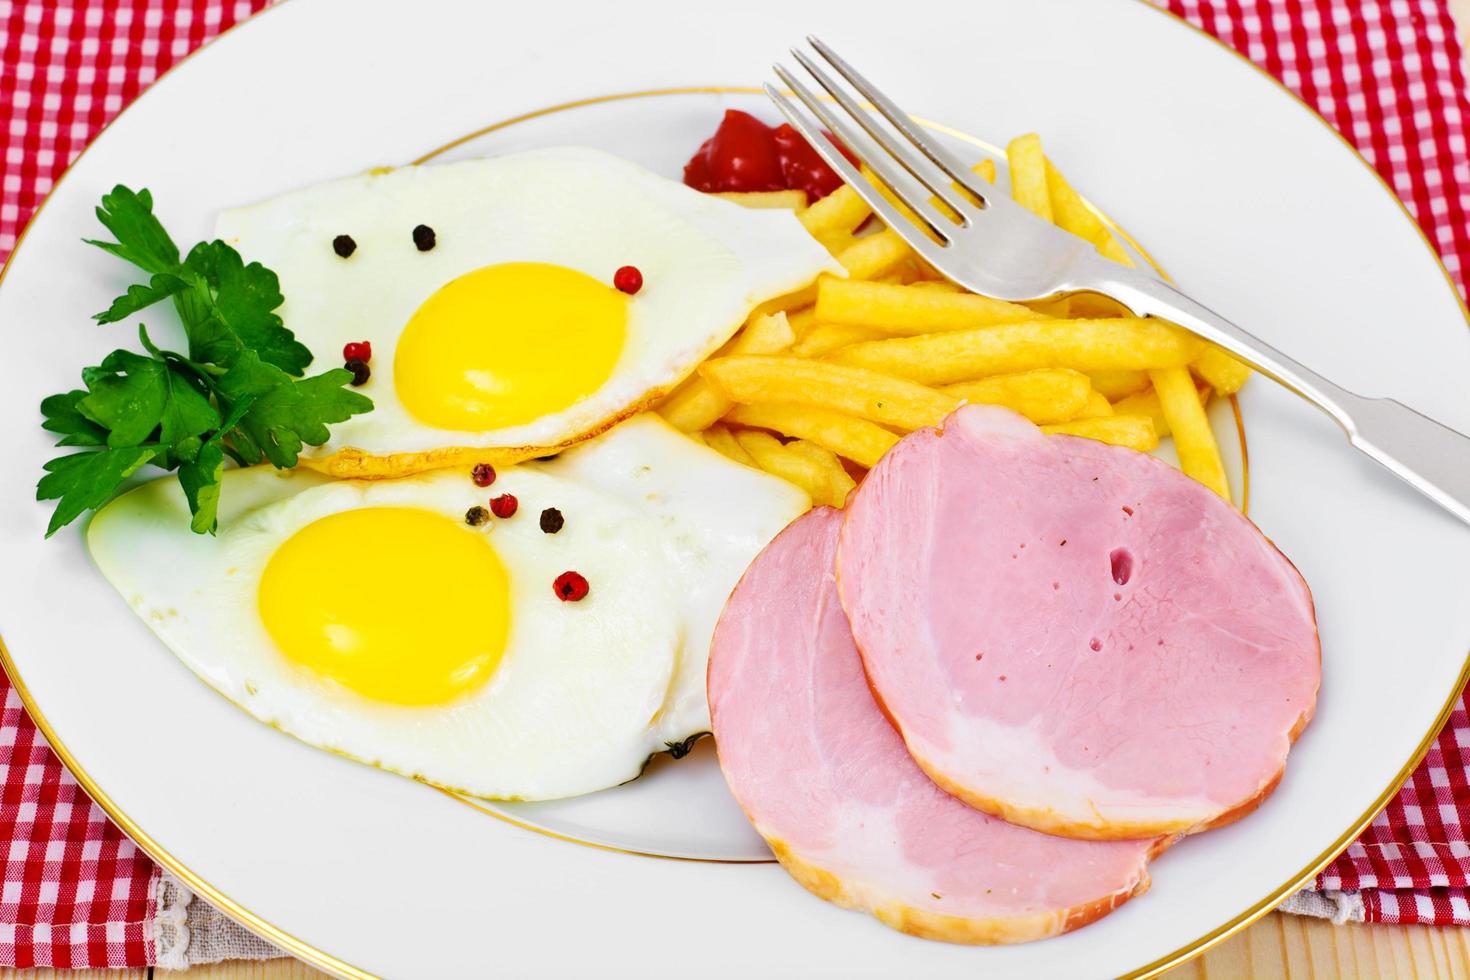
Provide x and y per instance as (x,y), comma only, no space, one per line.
(506,344)
(398,604)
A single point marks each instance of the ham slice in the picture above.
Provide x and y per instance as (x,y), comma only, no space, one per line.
(1074,636)
(826,781)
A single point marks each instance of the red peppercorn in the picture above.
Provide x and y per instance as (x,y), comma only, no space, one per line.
(483,474)
(570,587)
(504,505)
(628,279)
(360,350)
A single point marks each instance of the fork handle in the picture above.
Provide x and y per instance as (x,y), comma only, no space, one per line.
(1428,455)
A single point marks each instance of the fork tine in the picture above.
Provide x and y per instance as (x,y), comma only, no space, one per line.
(936,182)
(900,121)
(886,171)
(851,175)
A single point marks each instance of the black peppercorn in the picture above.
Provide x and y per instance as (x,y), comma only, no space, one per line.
(551,520)
(360,372)
(476,516)
(343,245)
(423,237)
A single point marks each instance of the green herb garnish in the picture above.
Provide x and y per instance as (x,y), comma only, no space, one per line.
(237,393)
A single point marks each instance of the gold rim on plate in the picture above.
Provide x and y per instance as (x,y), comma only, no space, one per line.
(332,964)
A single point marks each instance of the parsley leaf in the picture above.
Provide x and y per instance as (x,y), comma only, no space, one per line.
(161,286)
(241,313)
(141,239)
(86,481)
(286,413)
(200,478)
(226,306)
(63,416)
(239,392)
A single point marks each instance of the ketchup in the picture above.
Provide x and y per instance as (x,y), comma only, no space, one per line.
(745,154)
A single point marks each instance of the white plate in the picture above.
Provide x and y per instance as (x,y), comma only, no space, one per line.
(1249,200)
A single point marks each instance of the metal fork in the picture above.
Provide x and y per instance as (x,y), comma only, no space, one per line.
(997,248)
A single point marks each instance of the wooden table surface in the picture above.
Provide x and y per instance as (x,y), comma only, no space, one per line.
(1278,945)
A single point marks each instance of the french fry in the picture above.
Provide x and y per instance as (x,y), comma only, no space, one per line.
(839,482)
(802,320)
(906,310)
(874,255)
(1042,396)
(841,211)
(986,169)
(827,337)
(1083,345)
(851,438)
(1144,403)
(1028,175)
(1097,407)
(1147,403)
(1070,212)
(719,438)
(943,285)
(1059,308)
(839,242)
(1221,371)
(789,302)
(1131,431)
(1095,306)
(1114,385)
(776,460)
(694,405)
(1199,456)
(762,200)
(888,401)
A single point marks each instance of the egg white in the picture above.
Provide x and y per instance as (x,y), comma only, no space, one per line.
(568,710)
(706,263)
(661,527)
(715,516)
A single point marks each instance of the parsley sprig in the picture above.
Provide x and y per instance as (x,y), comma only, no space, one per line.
(239,391)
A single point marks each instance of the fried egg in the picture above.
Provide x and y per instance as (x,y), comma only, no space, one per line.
(486,290)
(369,618)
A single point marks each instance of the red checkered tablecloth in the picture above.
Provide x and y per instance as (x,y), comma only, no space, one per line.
(1387,73)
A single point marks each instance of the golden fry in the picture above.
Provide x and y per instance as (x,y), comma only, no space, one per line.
(1147,403)
(1071,213)
(788,303)
(1083,345)
(1097,407)
(1028,175)
(1130,431)
(694,405)
(1118,384)
(1221,371)
(839,482)
(1199,456)
(874,255)
(719,438)
(827,337)
(790,380)
(762,200)
(906,310)
(851,438)
(802,320)
(776,460)
(841,211)
(986,169)
(1144,403)
(1042,396)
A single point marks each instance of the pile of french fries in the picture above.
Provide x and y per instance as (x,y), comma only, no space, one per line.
(819,384)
